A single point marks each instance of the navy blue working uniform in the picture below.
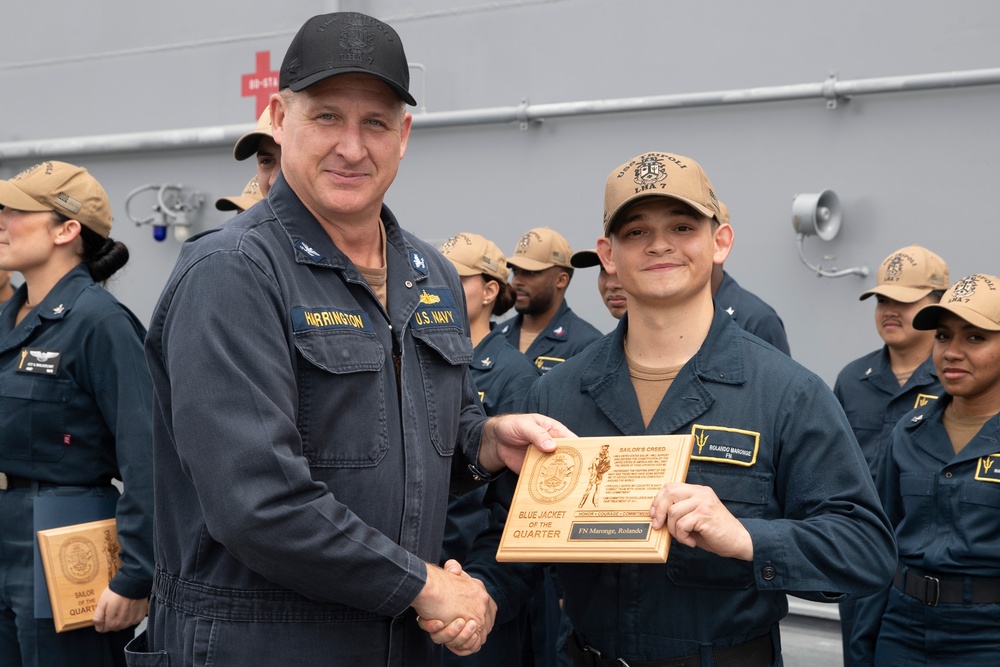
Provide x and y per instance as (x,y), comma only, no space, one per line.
(946,511)
(873,402)
(565,336)
(75,400)
(774,445)
(326,427)
(752,313)
(502,376)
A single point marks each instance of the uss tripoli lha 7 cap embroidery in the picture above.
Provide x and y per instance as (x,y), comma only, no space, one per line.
(541,248)
(657,174)
(909,274)
(975,298)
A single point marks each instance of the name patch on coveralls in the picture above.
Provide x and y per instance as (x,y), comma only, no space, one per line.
(437,309)
(327,317)
(38,360)
(725,445)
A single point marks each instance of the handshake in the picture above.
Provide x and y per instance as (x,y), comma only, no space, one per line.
(455,609)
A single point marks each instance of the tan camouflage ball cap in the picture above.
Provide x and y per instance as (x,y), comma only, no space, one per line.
(975,298)
(541,248)
(246,146)
(473,254)
(656,174)
(251,195)
(61,187)
(910,274)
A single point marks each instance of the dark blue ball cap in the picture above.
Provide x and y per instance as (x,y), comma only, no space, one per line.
(346,43)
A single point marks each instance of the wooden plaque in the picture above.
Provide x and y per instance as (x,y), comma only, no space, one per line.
(79,561)
(589,500)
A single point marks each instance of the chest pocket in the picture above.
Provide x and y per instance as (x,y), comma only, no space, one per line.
(978,515)
(916,528)
(342,411)
(746,493)
(444,355)
(34,409)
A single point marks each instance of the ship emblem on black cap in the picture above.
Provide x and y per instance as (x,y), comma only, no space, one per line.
(356,40)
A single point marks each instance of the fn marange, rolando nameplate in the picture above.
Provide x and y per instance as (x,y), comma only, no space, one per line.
(589,500)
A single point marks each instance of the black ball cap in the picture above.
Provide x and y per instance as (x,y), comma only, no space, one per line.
(346,43)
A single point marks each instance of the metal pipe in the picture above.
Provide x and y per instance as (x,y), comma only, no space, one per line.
(524,113)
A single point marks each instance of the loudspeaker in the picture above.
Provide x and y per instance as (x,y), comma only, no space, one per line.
(817,213)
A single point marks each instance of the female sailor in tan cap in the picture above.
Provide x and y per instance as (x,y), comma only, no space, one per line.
(75,413)
(940,483)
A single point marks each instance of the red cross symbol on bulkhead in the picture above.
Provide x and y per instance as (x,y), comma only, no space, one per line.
(262,83)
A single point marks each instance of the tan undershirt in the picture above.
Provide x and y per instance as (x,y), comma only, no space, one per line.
(526,340)
(377,277)
(650,384)
(961,429)
(903,378)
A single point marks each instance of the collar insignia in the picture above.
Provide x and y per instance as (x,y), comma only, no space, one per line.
(418,262)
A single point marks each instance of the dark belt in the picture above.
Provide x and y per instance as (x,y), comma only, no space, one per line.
(933,590)
(8,481)
(754,653)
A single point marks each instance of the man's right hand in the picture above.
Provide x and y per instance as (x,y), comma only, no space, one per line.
(455,609)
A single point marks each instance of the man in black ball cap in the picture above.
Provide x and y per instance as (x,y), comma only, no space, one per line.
(313,407)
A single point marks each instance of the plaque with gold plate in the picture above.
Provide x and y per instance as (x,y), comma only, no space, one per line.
(79,561)
(589,500)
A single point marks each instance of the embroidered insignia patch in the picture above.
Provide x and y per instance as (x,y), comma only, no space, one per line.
(988,468)
(725,445)
(437,308)
(547,363)
(329,317)
(923,399)
(418,262)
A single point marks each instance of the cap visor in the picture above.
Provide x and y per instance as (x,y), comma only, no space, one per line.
(305,82)
(613,218)
(927,317)
(529,264)
(14,197)
(898,293)
(247,145)
(235,203)
(584,259)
